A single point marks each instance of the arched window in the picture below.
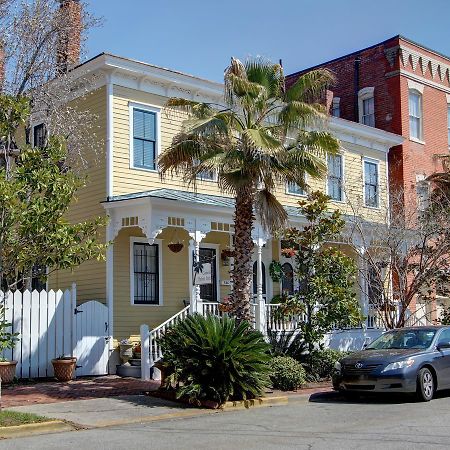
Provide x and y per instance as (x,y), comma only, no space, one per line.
(287,283)
(255,278)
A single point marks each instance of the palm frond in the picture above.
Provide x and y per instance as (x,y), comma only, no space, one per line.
(197,109)
(267,74)
(271,213)
(310,86)
(261,139)
(299,114)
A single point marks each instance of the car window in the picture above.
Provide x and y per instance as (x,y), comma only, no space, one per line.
(445,336)
(404,339)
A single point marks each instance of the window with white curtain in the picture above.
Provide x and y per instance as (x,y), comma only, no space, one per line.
(415,114)
(371,187)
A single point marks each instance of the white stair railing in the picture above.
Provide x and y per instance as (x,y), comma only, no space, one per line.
(150,347)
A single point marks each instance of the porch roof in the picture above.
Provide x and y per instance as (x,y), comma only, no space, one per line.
(191,197)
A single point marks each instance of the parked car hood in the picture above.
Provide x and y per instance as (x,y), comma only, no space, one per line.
(384,356)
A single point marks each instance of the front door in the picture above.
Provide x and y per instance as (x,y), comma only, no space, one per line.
(208,292)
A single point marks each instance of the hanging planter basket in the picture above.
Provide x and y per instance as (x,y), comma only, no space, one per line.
(175,247)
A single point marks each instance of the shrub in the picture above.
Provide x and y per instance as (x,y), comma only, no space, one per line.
(286,373)
(320,364)
(286,343)
(213,358)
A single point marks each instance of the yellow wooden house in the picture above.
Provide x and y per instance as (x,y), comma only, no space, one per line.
(142,279)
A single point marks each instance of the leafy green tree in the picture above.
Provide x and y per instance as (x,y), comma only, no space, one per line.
(326,297)
(262,137)
(35,195)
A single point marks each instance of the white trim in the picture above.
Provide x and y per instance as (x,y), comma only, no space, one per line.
(109,138)
(157,111)
(418,141)
(415,86)
(110,281)
(216,247)
(343,199)
(448,98)
(365,94)
(377,163)
(158,242)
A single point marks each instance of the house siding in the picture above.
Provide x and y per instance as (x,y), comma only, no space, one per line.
(90,276)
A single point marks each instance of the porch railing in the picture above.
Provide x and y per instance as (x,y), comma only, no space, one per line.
(150,347)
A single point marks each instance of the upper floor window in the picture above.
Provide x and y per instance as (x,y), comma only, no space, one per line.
(371,187)
(144,139)
(366,104)
(335,177)
(146,274)
(335,107)
(39,136)
(206,175)
(415,114)
(294,189)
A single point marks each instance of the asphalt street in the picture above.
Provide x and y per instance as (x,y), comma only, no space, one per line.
(325,422)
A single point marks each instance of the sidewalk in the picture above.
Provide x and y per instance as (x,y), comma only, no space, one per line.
(83,388)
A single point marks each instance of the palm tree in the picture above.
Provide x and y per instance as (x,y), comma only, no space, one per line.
(262,137)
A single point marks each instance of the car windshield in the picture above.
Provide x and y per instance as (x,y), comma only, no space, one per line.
(403,339)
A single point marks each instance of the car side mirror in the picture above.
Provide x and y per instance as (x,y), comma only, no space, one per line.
(443,345)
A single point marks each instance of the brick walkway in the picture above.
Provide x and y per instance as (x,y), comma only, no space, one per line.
(80,389)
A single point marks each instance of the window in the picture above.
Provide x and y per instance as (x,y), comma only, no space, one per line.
(366,106)
(255,278)
(448,124)
(371,184)
(374,285)
(444,337)
(415,114)
(294,189)
(206,175)
(335,107)
(144,139)
(422,192)
(145,283)
(287,282)
(335,177)
(39,136)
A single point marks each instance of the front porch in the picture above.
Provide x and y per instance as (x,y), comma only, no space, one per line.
(148,282)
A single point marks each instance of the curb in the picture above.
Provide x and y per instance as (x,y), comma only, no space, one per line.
(29,429)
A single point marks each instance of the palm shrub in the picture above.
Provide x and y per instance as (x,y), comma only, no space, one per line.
(263,136)
(286,373)
(213,358)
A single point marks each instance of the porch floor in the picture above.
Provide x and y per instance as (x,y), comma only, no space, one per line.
(50,391)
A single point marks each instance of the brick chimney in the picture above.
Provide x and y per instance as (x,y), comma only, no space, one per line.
(69,45)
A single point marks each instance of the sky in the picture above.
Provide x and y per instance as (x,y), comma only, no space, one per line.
(199,36)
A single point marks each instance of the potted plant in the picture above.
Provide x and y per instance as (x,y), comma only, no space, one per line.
(125,351)
(7,342)
(64,367)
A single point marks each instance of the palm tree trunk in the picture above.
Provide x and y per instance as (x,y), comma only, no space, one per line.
(242,272)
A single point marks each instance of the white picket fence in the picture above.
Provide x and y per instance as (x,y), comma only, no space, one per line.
(50,325)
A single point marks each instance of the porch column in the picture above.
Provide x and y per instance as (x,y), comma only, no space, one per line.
(260,303)
(362,274)
(194,255)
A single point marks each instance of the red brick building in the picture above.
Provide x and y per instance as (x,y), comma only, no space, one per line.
(402,87)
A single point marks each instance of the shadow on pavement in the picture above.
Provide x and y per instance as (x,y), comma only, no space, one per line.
(375,398)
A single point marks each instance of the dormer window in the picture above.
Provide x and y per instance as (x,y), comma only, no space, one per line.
(366,103)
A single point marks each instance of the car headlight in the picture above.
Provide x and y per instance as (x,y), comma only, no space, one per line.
(399,365)
(338,367)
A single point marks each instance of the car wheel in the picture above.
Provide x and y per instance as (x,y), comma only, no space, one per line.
(425,385)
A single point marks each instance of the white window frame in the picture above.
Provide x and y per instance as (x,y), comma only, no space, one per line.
(143,240)
(157,111)
(418,88)
(210,180)
(288,192)
(336,106)
(377,164)
(365,94)
(343,200)
(216,247)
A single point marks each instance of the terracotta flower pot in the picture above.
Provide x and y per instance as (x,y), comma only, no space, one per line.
(64,369)
(7,371)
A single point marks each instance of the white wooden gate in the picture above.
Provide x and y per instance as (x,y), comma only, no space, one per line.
(92,338)
(49,326)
